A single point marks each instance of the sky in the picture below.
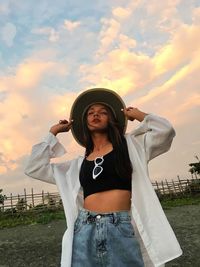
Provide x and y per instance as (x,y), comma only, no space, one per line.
(148,51)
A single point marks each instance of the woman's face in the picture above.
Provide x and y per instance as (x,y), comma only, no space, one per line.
(97,118)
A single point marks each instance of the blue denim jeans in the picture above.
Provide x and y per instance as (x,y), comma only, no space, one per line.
(105,240)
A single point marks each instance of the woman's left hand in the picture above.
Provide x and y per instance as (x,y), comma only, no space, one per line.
(134,114)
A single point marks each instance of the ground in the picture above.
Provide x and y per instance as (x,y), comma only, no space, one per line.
(40,245)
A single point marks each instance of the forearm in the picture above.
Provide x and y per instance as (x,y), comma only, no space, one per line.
(62,126)
(140,115)
(134,114)
(53,131)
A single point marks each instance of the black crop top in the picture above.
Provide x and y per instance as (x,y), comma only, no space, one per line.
(100,175)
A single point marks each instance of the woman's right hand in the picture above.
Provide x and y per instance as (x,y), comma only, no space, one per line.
(62,126)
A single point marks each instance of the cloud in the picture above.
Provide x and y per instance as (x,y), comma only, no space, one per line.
(196,16)
(60,105)
(28,121)
(12,142)
(30,73)
(121,70)
(6,163)
(177,51)
(108,34)
(121,66)
(51,33)
(153,82)
(121,13)
(3,96)
(172,82)
(20,110)
(4,8)
(8,34)
(71,25)
(164,9)
(190,103)
(126,42)
(147,51)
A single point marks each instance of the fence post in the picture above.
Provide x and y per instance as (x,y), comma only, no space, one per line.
(180,185)
(11,202)
(25,198)
(158,189)
(49,201)
(174,186)
(157,185)
(32,197)
(168,187)
(188,186)
(163,188)
(2,207)
(43,197)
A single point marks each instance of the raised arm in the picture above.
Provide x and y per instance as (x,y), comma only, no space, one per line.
(38,165)
(154,133)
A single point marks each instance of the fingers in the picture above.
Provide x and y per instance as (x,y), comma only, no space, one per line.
(129,112)
(66,125)
(63,121)
(66,122)
(127,109)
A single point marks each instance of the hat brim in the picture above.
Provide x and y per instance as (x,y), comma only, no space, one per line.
(89,97)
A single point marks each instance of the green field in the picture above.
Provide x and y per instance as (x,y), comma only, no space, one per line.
(9,219)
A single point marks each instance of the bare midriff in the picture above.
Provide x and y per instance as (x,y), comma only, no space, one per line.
(108,201)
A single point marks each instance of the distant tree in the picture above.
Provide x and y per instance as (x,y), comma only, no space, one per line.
(195,167)
(2,198)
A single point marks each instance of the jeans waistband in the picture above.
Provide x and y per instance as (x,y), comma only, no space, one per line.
(88,216)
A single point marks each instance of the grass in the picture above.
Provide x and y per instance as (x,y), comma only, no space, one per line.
(46,216)
(24,218)
(190,200)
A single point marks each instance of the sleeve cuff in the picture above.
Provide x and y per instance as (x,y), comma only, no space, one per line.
(142,127)
(57,148)
(50,139)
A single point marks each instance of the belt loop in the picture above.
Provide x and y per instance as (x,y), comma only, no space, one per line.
(87,217)
(115,219)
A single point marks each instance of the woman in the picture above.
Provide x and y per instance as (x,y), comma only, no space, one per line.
(108,199)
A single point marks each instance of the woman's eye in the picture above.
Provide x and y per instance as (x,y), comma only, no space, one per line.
(101,113)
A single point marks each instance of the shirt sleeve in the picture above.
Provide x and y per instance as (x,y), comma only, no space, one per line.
(38,165)
(155,134)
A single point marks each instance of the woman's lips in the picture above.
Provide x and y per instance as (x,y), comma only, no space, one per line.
(96,121)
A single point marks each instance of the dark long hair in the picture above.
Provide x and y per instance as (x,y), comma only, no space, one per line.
(122,161)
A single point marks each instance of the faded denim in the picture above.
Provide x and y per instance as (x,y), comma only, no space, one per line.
(105,240)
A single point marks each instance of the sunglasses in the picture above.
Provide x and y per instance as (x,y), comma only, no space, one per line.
(97,167)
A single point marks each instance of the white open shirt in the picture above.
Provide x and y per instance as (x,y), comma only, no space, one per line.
(151,138)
